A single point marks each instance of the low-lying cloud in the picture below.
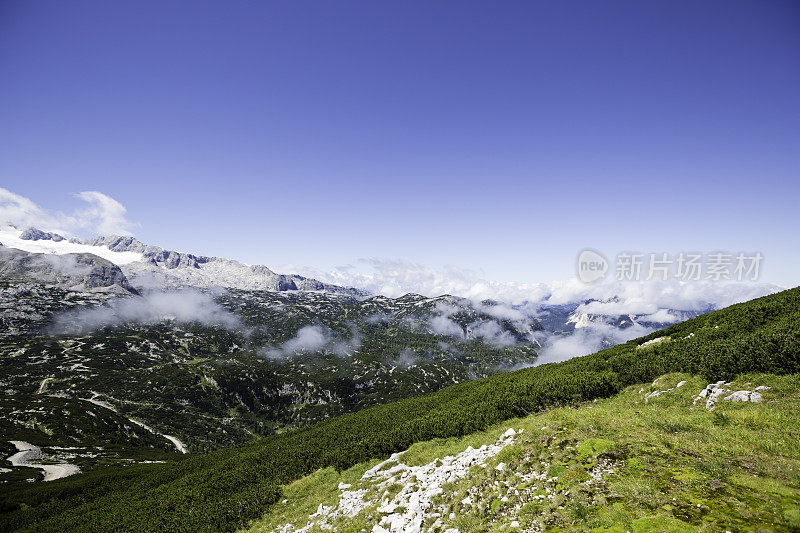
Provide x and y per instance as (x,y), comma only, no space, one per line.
(185,306)
(395,277)
(492,333)
(584,341)
(315,338)
(444,325)
(405,359)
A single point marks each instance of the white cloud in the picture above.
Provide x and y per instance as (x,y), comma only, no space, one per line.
(584,341)
(491,333)
(443,325)
(308,339)
(651,301)
(489,330)
(102,215)
(502,312)
(184,306)
(406,359)
(311,339)
(20,211)
(397,277)
(662,316)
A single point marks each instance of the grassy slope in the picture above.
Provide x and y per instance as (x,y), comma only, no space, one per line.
(228,488)
(677,467)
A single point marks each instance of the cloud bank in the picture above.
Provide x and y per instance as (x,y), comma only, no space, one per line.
(102,215)
(491,332)
(396,277)
(184,306)
(584,341)
(650,301)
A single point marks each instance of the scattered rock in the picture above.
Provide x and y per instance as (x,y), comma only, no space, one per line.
(651,342)
(407,510)
(714,391)
(657,393)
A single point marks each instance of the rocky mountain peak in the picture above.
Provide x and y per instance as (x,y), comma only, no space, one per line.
(35,234)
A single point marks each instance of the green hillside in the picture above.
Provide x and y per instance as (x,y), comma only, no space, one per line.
(650,458)
(229,488)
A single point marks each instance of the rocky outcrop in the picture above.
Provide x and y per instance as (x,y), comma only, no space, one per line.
(33,234)
(171,269)
(716,391)
(156,255)
(74,271)
(417,502)
(753,396)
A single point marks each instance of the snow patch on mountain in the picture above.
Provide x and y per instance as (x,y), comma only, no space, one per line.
(11,237)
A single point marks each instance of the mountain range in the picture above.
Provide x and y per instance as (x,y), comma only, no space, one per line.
(125,352)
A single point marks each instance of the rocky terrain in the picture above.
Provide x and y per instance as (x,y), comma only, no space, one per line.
(78,272)
(650,459)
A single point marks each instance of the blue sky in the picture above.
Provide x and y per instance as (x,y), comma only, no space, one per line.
(502,137)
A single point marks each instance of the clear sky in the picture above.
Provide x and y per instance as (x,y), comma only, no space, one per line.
(498,136)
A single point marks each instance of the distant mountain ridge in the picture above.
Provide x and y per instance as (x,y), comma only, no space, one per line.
(159,268)
(162,268)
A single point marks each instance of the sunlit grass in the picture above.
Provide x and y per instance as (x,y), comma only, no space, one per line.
(680,467)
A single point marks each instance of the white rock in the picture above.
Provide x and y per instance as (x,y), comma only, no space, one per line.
(712,393)
(739,396)
(514,524)
(745,396)
(407,510)
(509,432)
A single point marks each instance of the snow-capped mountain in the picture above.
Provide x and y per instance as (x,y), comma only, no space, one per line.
(566,318)
(663,318)
(148,266)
